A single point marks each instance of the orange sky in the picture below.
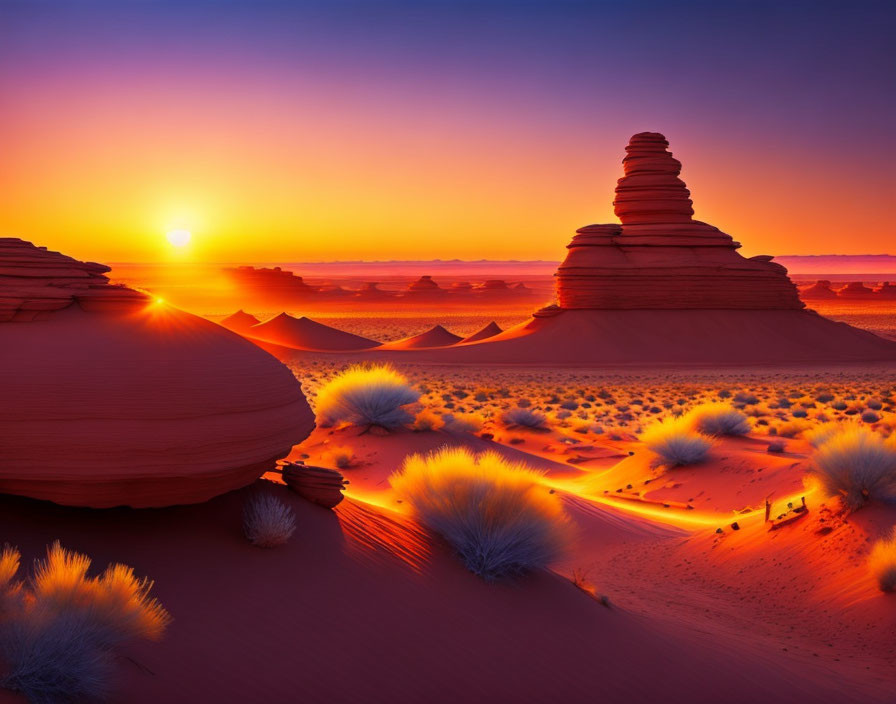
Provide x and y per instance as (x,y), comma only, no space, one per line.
(269,156)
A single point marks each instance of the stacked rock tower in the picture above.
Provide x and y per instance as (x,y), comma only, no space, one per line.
(659,256)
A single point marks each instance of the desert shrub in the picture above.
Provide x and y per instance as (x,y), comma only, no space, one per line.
(427,420)
(523,417)
(746,398)
(870,416)
(60,629)
(882,563)
(463,423)
(791,429)
(719,419)
(819,435)
(857,465)
(494,513)
(676,442)
(342,457)
(267,521)
(367,395)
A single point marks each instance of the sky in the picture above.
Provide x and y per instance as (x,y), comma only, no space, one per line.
(317,131)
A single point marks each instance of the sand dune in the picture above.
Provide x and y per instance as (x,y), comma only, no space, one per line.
(239,322)
(489,330)
(306,334)
(436,336)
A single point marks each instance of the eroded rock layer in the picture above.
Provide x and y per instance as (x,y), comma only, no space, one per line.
(110,398)
(660,257)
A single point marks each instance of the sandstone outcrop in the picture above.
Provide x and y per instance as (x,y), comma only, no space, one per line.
(855,289)
(820,289)
(315,484)
(659,257)
(111,398)
(886,290)
(35,282)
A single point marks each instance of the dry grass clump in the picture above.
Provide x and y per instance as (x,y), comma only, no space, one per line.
(367,395)
(675,440)
(59,630)
(525,418)
(858,465)
(719,419)
(267,521)
(494,513)
(882,563)
(426,420)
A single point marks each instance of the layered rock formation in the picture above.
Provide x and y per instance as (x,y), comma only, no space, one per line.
(315,484)
(855,289)
(110,398)
(662,288)
(35,282)
(820,289)
(660,257)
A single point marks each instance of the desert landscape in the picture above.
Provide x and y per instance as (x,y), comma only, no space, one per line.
(393,442)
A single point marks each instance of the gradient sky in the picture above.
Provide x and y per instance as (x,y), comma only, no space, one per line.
(403,130)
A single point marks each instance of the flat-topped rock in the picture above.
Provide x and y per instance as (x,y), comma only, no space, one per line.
(855,289)
(821,289)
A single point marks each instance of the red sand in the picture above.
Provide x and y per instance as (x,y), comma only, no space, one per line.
(306,334)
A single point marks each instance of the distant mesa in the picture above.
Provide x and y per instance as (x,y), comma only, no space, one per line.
(489,330)
(306,334)
(821,289)
(462,286)
(424,284)
(113,399)
(434,337)
(240,321)
(855,289)
(495,285)
(273,285)
(370,290)
(887,290)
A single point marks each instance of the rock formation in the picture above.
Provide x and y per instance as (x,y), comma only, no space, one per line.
(886,290)
(371,291)
(424,284)
(820,289)
(855,289)
(306,334)
(35,282)
(662,288)
(660,257)
(316,484)
(111,398)
(494,285)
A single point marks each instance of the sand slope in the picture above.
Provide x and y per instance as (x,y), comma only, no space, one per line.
(361,607)
(669,337)
(306,334)
(434,337)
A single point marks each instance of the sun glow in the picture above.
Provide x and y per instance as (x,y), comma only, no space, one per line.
(179,237)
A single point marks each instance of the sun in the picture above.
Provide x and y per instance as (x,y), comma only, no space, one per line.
(179,238)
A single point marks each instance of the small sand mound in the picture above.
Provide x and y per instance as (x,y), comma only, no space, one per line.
(306,334)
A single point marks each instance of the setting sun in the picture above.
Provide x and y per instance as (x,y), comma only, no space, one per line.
(178,238)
